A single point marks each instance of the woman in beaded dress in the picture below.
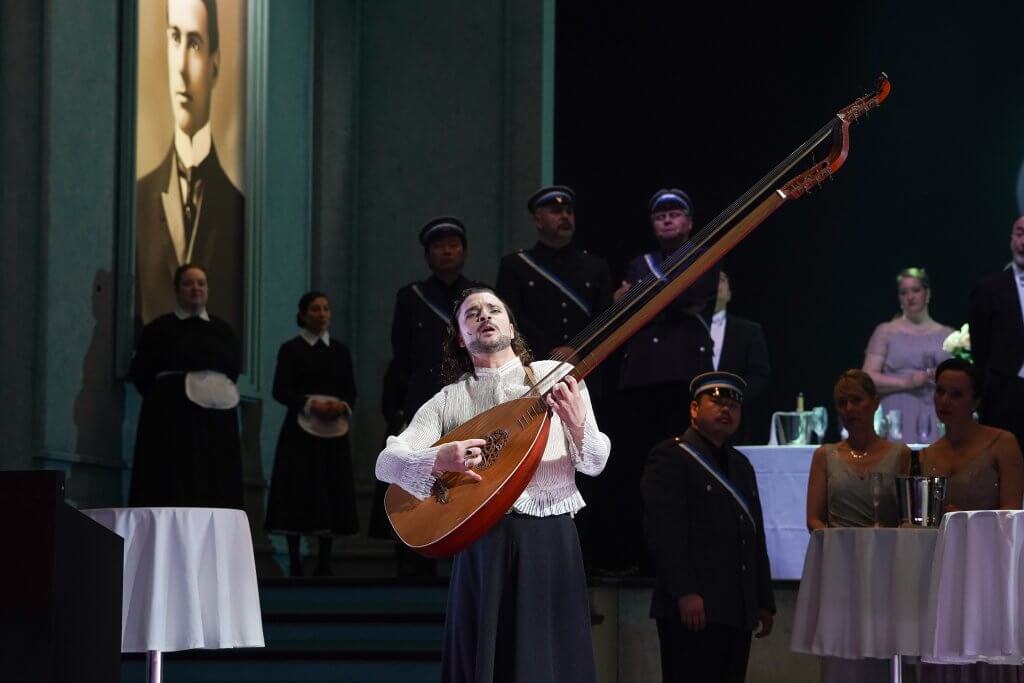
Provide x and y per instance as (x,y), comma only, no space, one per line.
(985,472)
(839,492)
(902,354)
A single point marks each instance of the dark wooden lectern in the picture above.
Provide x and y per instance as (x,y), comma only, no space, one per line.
(60,586)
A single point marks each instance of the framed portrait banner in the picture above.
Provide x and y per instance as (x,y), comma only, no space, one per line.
(191,98)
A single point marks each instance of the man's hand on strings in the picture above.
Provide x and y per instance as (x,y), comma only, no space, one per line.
(566,400)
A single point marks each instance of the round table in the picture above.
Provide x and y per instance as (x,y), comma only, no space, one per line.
(975,610)
(863,592)
(189,580)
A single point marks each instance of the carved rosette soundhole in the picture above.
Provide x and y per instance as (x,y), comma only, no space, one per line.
(496,440)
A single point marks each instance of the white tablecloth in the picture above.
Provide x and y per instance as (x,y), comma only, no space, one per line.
(782,473)
(976,610)
(864,592)
(189,578)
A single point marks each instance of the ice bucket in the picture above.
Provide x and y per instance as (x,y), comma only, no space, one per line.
(792,429)
(920,500)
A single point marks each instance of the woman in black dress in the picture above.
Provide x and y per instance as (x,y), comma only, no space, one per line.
(312,490)
(187,450)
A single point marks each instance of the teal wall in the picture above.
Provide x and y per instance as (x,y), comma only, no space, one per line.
(79,399)
(367,118)
(424,108)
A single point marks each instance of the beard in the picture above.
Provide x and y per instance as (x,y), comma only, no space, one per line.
(500,344)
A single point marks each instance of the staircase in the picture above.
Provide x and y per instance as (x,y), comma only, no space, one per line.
(316,630)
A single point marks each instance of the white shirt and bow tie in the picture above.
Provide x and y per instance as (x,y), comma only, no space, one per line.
(718,335)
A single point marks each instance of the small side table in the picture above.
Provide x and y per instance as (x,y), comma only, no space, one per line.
(189,580)
(864,593)
(976,594)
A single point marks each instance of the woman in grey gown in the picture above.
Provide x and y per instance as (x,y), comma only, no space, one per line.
(985,472)
(839,492)
(902,355)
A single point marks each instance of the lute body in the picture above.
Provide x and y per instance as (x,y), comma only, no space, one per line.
(460,510)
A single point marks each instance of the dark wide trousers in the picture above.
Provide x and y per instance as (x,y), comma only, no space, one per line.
(717,654)
(518,608)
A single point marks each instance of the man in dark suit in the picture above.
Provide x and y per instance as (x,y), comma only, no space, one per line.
(187,209)
(704,529)
(740,348)
(996,315)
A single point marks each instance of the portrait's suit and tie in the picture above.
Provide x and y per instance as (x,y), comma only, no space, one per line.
(166,237)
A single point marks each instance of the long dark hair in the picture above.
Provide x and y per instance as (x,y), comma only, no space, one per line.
(455,359)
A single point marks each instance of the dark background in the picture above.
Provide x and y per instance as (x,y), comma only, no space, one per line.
(709,98)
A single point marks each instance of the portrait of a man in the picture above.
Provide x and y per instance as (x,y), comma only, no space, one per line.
(187,208)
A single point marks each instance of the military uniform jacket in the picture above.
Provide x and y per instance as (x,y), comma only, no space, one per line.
(548,317)
(676,346)
(417,335)
(700,538)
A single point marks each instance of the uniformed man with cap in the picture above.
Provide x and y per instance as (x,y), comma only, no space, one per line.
(420,321)
(704,529)
(658,364)
(555,288)
(418,329)
(676,345)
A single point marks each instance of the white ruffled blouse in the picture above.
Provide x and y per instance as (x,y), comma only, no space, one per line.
(407,459)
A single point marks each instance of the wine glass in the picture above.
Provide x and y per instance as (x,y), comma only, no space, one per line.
(881,427)
(875,479)
(819,423)
(924,427)
(894,421)
(929,363)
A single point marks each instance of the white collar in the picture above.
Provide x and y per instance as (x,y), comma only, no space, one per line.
(312,339)
(192,152)
(185,315)
(718,318)
(1018,273)
(514,363)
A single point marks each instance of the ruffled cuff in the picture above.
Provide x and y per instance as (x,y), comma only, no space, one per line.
(592,457)
(412,470)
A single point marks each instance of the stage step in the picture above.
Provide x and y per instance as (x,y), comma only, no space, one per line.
(352,630)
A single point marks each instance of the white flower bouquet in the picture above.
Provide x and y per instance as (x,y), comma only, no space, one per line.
(958,343)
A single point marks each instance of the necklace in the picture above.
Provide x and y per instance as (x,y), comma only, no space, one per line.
(858,455)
